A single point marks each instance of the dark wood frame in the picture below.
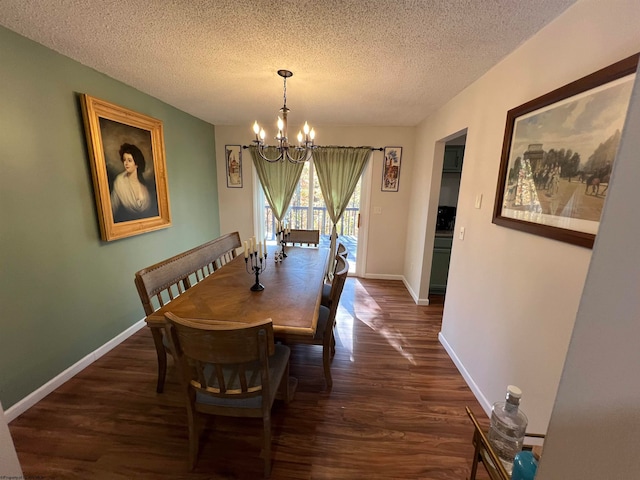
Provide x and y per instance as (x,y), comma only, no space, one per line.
(608,74)
(238,150)
(384,170)
(93,109)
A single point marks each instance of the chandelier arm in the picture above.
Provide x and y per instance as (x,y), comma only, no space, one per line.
(303,155)
(260,150)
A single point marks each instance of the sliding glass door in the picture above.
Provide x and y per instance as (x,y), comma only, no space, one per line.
(308,212)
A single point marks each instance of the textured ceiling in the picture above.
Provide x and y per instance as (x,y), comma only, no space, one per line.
(355,62)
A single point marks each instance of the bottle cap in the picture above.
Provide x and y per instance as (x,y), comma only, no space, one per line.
(514,391)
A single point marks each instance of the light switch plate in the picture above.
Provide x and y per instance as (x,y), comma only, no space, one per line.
(478,200)
(461,235)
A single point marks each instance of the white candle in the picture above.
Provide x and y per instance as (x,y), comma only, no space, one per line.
(255,245)
(260,250)
(246,250)
(264,242)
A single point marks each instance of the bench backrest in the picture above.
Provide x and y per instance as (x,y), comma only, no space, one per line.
(160,283)
(303,237)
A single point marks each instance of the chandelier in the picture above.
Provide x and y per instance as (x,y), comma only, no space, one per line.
(295,154)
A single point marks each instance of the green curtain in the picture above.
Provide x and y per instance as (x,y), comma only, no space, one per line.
(339,169)
(278,179)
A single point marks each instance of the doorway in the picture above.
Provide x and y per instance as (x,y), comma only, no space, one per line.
(446,213)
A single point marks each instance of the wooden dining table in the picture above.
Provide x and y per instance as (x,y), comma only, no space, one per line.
(291,295)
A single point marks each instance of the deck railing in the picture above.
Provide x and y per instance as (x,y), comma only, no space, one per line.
(297,218)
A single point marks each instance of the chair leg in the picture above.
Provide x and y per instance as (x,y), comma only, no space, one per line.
(326,363)
(194,437)
(161,353)
(284,385)
(333,346)
(267,444)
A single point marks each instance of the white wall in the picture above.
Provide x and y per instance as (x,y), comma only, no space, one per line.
(512,297)
(595,425)
(385,239)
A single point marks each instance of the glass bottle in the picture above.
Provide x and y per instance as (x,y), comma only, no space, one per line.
(508,426)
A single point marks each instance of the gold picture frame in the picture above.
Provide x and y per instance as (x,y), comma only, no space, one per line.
(128,167)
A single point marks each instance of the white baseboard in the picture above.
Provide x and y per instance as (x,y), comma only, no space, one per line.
(416,298)
(30,400)
(484,403)
(375,276)
(383,276)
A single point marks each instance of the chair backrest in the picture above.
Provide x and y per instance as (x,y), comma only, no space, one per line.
(162,282)
(341,251)
(337,285)
(303,237)
(220,359)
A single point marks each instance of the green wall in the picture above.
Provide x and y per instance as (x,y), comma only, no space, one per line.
(63,291)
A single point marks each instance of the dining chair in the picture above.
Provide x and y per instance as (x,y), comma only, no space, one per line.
(229,369)
(326,286)
(303,237)
(324,335)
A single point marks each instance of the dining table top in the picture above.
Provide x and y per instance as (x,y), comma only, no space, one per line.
(291,295)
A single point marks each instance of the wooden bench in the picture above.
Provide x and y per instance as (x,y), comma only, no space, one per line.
(160,283)
(303,237)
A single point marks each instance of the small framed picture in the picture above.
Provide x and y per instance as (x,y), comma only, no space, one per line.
(391,169)
(233,156)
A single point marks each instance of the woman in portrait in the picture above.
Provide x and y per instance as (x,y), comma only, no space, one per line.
(130,198)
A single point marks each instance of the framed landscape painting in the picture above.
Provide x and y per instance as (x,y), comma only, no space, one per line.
(558,154)
(128,168)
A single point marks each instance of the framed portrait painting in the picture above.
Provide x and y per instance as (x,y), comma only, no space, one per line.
(391,169)
(233,158)
(128,167)
(558,154)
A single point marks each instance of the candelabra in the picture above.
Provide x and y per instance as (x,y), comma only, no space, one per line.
(256,264)
(283,236)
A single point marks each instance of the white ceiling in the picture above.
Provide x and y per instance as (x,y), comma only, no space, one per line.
(355,62)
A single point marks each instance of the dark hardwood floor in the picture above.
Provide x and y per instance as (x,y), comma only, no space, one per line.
(396,410)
